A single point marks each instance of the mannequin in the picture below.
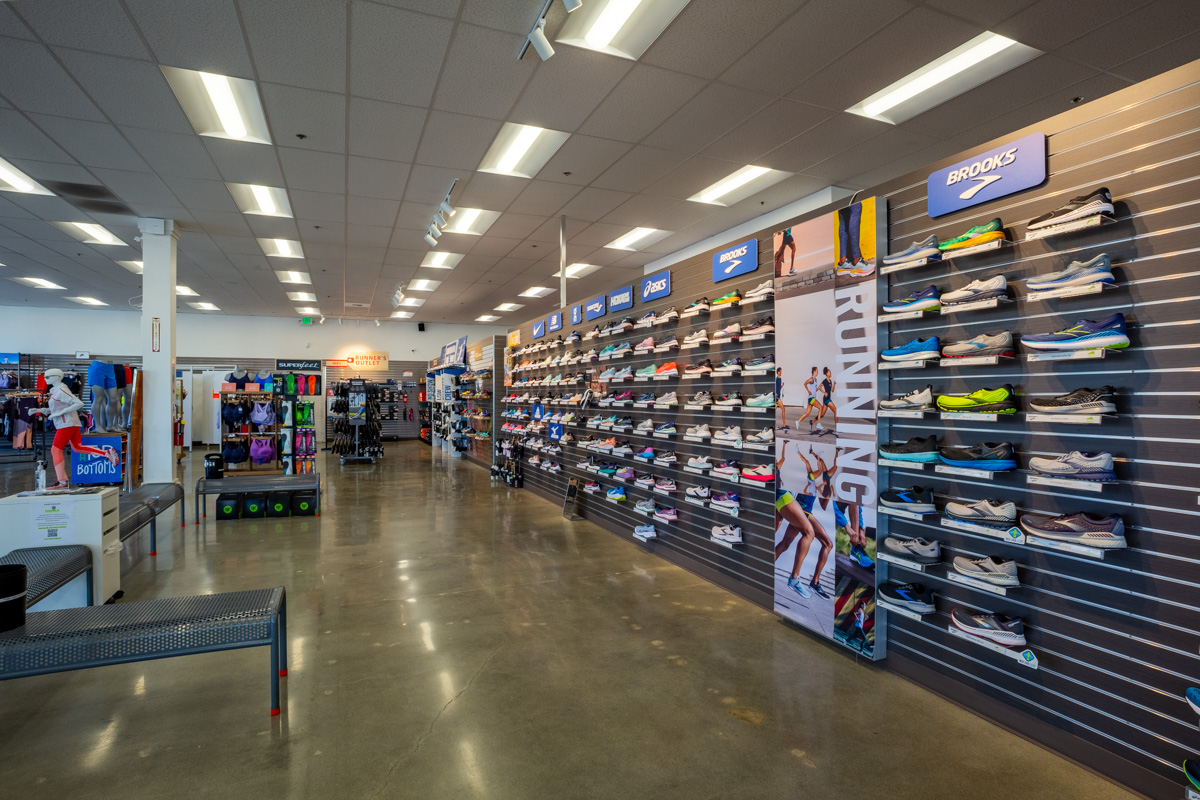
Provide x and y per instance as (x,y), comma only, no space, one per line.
(239,378)
(106,397)
(127,396)
(64,413)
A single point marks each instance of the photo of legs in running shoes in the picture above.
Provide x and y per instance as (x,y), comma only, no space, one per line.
(784,241)
(804,576)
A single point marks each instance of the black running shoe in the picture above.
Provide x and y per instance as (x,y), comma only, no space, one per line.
(911,596)
(914,498)
(1080,401)
(1089,205)
(923,450)
(987,456)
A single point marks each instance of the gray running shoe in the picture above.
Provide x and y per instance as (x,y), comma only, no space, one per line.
(984,512)
(1103,532)
(993,570)
(1080,401)
(1076,465)
(1077,273)
(1007,631)
(917,549)
(916,399)
(985,344)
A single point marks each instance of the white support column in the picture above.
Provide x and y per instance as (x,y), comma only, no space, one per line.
(159,241)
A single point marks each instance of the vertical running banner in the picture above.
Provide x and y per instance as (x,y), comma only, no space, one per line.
(824,575)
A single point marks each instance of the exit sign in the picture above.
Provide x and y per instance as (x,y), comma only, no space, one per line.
(306,320)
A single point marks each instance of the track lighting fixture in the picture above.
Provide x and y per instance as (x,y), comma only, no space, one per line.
(432,242)
(376,323)
(321,321)
(447,209)
(572,5)
(537,36)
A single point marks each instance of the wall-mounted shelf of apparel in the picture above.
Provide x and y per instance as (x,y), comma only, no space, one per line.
(982,586)
(1024,656)
(1087,223)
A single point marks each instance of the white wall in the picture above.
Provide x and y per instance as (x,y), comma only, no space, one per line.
(103,332)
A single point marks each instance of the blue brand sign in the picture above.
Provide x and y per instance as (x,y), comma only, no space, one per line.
(539,329)
(556,321)
(539,412)
(1000,171)
(595,307)
(576,315)
(656,286)
(736,260)
(10,358)
(556,431)
(86,468)
(621,299)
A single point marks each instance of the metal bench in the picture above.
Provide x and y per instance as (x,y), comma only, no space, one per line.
(250,483)
(142,506)
(97,636)
(52,567)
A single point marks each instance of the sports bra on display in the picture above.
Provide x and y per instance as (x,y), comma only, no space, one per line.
(239,383)
(265,381)
(234,451)
(234,413)
(262,451)
(263,414)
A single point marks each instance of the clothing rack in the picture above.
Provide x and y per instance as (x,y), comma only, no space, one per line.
(10,454)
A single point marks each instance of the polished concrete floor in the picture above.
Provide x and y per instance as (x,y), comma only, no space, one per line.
(452,640)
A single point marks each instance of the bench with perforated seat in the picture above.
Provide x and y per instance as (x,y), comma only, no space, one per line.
(142,506)
(97,636)
(52,567)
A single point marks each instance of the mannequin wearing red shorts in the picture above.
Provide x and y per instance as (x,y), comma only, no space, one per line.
(64,413)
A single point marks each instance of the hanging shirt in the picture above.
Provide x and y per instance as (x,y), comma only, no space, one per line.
(60,400)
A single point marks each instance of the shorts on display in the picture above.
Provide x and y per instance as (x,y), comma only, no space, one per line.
(101,374)
(119,375)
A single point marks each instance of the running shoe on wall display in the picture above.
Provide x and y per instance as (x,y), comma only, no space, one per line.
(988,401)
(1007,631)
(1083,335)
(976,235)
(1079,401)
(928,248)
(925,299)
(985,344)
(1098,201)
(1098,269)
(917,399)
(982,289)
(916,350)
(985,456)
(1106,531)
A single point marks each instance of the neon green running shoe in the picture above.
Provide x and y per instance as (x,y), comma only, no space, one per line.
(988,227)
(991,401)
(732,297)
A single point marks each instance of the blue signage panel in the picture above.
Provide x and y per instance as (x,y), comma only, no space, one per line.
(539,412)
(620,299)
(596,307)
(999,172)
(556,431)
(576,314)
(87,468)
(656,285)
(10,358)
(555,321)
(539,329)
(735,261)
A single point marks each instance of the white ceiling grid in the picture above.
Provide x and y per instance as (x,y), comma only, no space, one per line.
(396,99)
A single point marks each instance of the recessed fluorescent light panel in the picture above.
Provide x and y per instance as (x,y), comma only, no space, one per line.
(291,276)
(471,221)
(536,291)
(422,285)
(487,318)
(282,248)
(413,302)
(266,201)
(13,180)
(578,270)
(508,307)
(220,106)
(302,297)
(441,260)
(185,291)
(204,306)
(38,283)
(624,28)
(986,56)
(737,187)
(402,315)
(89,233)
(133,266)
(521,150)
(87,301)
(309,311)
(638,238)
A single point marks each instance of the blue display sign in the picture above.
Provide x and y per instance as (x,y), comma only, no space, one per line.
(539,412)
(999,172)
(595,308)
(86,468)
(10,358)
(735,261)
(556,431)
(620,299)
(656,286)
(576,314)
(539,329)
(555,321)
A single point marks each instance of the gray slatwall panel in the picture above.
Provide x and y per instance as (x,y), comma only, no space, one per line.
(391,429)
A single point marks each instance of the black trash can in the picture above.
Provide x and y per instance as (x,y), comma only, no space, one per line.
(279,504)
(229,506)
(13,583)
(214,466)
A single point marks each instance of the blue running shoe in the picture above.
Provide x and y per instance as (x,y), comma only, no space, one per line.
(649,397)
(666,427)
(860,555)
(1193,699)
(1083,335)
(922,299)
(1077,273)
(616,493)
(914,350)
(799,588)
(1192,770)
(915,251)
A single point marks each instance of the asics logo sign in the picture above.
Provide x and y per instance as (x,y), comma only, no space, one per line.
(656,286)
(1009,168)
(737,260)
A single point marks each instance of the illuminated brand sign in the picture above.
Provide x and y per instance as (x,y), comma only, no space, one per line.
(735,261)
(300,365)
(373,360)
(656,286)
(1001,171)
(621,299)
(595,307)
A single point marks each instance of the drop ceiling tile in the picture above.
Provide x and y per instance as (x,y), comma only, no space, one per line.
(482,246)
(320,116)
(888,146)
(1158,61)
(377,236)
(482,75)
(591,204)
(34,82)
(273,227)
(442,8)
(514,16)
(93,144)
(178,213)
(379,34)
(428,184)
(372,211)
(681,216)
(318,172)
(101,26)
(46,173)
(20,139)
(515,226)
(488,191)
(317,234)
(562,93)
(199,34)
(417,216)
(371,177)
(10,25)
(691,176)
(304,47)
(172,154)
(709,35)
(11,209)
(387,131)
(318,206)
(709,114)
(641,102)
(241,162)
(548,233)
(638,210)
(840,132)
(129,92)
(1048,24)
(543,197)
(1126,38)
(789,190)
(810,39)
(638,168)
(598,234)
(229,231)
(585,158)
(456,140)
(766,130)
(403,239)
(981,12)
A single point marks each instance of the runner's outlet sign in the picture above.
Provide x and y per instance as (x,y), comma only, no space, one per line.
(1001,171)
(368,361)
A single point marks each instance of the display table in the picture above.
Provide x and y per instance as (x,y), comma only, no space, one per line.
(85,516)
(255,483)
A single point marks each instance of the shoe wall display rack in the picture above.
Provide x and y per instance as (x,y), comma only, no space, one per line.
(1114,632)
(482,406)
(688,539)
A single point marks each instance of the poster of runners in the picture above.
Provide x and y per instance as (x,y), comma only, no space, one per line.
(824,576)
